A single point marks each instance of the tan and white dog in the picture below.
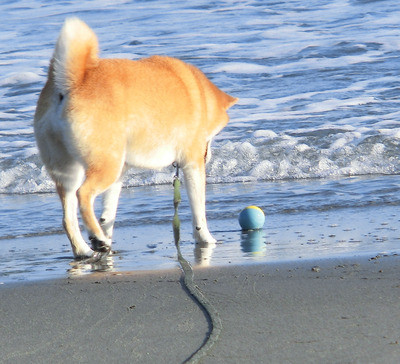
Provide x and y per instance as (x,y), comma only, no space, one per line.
(95,117)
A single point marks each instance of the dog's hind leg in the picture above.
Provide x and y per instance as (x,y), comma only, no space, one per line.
(98,179)
(110,204)
(69,203)
(195,179)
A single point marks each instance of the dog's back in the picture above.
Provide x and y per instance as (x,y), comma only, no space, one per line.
(132,106)
(108,113)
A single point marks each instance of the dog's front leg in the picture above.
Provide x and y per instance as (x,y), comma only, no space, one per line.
(110,204)
(195,180)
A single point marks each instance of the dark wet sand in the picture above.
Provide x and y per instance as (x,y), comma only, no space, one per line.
(342,311)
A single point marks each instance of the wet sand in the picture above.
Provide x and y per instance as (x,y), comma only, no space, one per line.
(289,237)
(312,311)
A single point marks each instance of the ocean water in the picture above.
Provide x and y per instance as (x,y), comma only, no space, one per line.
(317,127)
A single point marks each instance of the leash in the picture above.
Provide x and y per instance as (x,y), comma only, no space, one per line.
(212,315)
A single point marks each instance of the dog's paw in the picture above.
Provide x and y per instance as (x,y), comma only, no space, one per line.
(99,245)
(83,252)
(81,257)
(203,236)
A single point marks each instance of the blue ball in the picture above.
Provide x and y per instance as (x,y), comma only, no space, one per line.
(251,218)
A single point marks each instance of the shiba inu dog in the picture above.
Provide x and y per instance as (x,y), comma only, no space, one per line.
(96,117)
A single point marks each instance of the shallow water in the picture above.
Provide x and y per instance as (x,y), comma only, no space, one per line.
(318,84)
(305,220)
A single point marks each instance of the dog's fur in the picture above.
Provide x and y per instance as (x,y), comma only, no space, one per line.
(96,117)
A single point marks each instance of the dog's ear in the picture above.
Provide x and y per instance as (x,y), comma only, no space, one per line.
(232,101)
(228,101)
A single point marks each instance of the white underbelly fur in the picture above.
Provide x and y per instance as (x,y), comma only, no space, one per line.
(158,158)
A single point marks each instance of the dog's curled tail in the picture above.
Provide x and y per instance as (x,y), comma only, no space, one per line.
(76,51)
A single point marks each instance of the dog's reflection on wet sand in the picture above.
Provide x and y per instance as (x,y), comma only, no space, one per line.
(99,262)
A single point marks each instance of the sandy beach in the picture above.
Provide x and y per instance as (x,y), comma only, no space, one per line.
(330,311)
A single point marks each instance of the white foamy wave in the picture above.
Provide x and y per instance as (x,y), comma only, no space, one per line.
(302,64)
(20,78)
(394,133)
(334,104)
(314,153)
(267,134)
(286,157)
(241,67)
(25,178)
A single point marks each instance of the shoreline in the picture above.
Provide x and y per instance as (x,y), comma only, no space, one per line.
(285,238)
(335,310)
